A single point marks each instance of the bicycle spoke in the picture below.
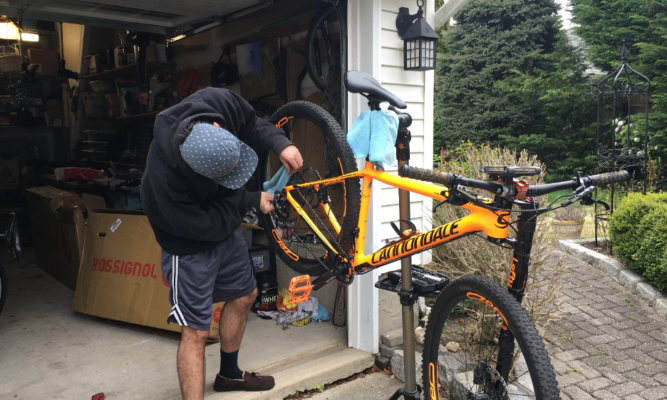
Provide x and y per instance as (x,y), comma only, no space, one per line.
(473,328)
(319,162)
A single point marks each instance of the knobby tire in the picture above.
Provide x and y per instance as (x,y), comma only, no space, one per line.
(519,323)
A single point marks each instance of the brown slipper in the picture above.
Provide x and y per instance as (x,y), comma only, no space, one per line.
(251,382)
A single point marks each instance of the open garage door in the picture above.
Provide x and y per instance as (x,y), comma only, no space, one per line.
(170,17)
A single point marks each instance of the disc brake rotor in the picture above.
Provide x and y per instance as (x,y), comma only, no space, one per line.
(489,378)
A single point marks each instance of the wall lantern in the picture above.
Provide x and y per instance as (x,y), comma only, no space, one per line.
(419,39)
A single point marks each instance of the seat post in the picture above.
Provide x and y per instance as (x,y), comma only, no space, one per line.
(407,295)
(373,105)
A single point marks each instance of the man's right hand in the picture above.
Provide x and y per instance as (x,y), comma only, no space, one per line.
(266,203)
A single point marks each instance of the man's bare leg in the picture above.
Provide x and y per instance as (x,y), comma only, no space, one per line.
(232,326)
(191,363)
(232,321)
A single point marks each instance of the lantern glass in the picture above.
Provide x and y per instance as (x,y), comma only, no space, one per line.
(419,54)
(428,54)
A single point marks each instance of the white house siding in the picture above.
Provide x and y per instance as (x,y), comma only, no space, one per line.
(416,89)
(375,47)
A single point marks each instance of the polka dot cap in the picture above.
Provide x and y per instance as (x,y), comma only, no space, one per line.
(215,153)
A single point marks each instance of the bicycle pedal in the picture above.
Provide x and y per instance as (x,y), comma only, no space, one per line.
(300,288)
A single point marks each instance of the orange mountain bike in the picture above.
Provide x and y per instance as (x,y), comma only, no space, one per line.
(479,343)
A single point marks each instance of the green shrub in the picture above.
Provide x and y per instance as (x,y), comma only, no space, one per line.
(652,255)
(638,232)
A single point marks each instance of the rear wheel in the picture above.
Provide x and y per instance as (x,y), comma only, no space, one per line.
(481,344)
(326,154)
(315,54)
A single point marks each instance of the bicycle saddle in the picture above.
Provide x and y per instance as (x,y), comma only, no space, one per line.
(361,82)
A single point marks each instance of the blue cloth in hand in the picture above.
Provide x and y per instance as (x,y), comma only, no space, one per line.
(373,135)
(322,314)
(278,182)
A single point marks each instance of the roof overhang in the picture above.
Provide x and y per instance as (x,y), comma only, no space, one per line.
(447,11)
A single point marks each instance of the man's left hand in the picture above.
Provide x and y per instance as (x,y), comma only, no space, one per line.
(291,159)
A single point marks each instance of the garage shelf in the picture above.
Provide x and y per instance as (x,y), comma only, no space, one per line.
(130,70)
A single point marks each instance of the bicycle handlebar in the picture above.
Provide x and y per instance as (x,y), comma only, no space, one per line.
(448,179)
(428,175)
(539,190)
(587,181)
(612,177)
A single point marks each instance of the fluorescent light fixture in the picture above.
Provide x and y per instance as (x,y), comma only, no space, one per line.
(9,31)
(29,37)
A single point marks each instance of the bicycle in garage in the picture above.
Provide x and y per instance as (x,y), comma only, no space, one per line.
(329,199)
(13,244)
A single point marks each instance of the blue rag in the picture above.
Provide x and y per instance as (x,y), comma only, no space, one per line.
(322,314)
(373,135)
(278,181)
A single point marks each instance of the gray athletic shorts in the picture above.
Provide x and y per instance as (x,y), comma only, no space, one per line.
(221,273)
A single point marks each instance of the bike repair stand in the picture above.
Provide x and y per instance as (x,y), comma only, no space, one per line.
(408,296)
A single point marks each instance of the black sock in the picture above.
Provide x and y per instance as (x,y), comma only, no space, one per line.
(229,365)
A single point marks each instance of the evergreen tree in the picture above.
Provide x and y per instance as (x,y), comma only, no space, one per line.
(511,78)
(643,24)
(562,107)
(489,40)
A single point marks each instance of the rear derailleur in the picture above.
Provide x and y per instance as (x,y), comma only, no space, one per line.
(281,206)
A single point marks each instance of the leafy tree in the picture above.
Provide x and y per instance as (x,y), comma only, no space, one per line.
(603,24)
(490,38)
(561,106)
(512,79)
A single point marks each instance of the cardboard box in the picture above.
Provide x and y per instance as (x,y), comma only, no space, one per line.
(48,60)
(58,221)
(121,277)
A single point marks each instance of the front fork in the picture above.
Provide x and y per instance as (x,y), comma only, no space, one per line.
(517,280)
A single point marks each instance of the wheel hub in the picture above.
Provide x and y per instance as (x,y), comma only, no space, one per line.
(490,380)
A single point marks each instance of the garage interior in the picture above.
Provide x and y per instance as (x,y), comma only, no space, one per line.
(81,83)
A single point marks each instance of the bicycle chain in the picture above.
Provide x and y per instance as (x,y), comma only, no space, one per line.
(334,241)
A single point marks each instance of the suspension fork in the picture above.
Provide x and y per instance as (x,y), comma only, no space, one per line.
(517,280)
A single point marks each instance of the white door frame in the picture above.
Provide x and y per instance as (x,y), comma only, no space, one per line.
(364,30)
(364,54)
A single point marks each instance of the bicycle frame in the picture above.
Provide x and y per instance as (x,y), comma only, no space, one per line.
(494,224)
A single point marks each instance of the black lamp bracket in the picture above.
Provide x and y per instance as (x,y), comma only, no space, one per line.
(405,19)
